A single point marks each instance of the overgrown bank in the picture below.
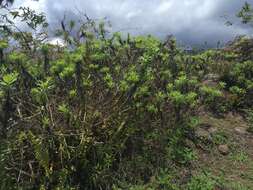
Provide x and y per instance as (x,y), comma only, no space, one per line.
(108,112)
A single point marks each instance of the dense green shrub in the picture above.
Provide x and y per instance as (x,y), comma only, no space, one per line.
(81,118)
(239,82)
(203,181)
(106,110)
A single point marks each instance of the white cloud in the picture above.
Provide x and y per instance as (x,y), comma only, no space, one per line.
(131,15)
(164,7)
(190,20)
(35,5)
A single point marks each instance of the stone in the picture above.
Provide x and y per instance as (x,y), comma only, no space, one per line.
(211,80)
(212,77)
(210,83)
(202,133)
(223,149)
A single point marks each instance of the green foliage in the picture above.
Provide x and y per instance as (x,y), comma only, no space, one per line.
(240,84)
(250,120)
(238,186)
(163,180)
(246,13)
(106,110)
(239,157)
(8,80)
(220,138)
(41,92)
(213,98)
(3,44)
(86,112)
(203,181)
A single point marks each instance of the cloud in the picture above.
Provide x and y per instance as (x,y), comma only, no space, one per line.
(191,21)
(33,4)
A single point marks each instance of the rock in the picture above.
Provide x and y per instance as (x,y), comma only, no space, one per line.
(241,131)
(211,80)
(210,83)
(202,133)
(212,77)
(223,149)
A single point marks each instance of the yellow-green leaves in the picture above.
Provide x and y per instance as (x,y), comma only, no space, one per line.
(124,86)
(41,92)
(109,80)
(3,44)
(68,71)
(64,109)
(212,98)
(210,93)
(130,78)
(152,108)
(72,93)
(177,98)
(64,68)
(17,57)
(142,91)
(9,79)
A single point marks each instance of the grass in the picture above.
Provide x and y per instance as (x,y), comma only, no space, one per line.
(234,171)
(220,137)
(239,157)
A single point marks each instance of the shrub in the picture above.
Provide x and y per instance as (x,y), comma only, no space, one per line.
(239,82)
(202,181)
(106,107)
(213,98)
(104,110)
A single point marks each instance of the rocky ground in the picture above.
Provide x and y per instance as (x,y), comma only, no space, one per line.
(225,151)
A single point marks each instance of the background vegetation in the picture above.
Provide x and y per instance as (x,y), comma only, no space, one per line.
(111,112)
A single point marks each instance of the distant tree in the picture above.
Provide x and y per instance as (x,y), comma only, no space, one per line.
(246,14)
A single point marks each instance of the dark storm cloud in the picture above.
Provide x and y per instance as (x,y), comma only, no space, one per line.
(191,21)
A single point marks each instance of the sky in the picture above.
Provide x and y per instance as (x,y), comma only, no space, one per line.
(192,22)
